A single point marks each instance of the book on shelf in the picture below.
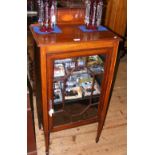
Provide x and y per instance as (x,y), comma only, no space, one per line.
(73,93)
(63,61)
(80,71)
(86,84)
(73,80)
(70,65)
(96,68)
(58,85)
(87,90)
(95,64)
(59,70)
(94,60)
(81,61)
(57,95)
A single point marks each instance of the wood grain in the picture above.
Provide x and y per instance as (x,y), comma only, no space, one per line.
(116,16)
(70,16)
(69,33)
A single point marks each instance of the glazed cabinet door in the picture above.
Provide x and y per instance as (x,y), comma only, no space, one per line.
(76,85)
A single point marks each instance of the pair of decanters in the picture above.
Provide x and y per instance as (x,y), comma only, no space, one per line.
(47,10)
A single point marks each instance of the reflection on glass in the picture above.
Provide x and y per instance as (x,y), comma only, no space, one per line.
(70,3)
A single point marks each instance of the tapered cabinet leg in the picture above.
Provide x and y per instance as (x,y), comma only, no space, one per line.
(47,137)
(99,130)
(101,122)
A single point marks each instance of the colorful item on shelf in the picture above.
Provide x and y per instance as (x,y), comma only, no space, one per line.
(59,70)
(47,10)
(76,77)
(86,84)
(93,13)
(57,95)
(73,93)
(95,64)
(94,60)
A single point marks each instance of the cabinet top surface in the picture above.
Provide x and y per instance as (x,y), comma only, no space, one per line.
(71,34)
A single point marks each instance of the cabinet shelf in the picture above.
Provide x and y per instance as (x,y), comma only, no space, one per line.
(72,101)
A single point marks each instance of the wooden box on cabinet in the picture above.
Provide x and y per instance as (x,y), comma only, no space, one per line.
(82,106)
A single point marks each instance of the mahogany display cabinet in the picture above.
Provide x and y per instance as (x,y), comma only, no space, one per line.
(74,75)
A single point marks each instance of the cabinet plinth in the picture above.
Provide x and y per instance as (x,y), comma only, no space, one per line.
(74,75)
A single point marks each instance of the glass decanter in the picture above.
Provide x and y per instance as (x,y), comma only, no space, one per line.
(93,13)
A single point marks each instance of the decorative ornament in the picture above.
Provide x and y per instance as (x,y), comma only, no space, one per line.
(47,10)
(93,13)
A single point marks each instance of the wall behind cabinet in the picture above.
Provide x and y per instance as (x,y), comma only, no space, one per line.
(116,16)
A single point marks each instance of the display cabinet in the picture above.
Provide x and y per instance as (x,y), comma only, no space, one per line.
(74,75)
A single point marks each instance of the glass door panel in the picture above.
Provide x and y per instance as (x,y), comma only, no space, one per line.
(77,88)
